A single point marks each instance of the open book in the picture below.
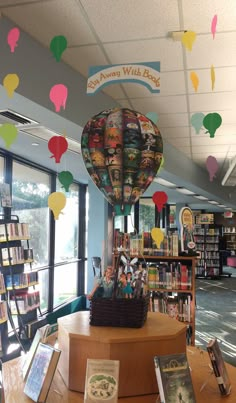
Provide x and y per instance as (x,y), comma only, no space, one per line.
(41,372)
(218,366)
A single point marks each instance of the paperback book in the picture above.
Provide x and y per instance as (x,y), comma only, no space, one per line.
(102,380)
(219,367)
(41,372)
(174,378)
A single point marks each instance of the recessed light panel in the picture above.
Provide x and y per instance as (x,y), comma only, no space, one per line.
(185,191)
(163,182)
(200,197)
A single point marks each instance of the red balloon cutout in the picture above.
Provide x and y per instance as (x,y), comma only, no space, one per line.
(159,198)
(57,145)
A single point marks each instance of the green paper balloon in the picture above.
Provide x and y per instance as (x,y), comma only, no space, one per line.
(66,179)
(9,133)
(153,116)
(57,46)
(197,121)
(211,122)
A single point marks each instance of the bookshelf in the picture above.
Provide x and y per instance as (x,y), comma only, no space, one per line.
(230,237)
(207,243)
(20,295)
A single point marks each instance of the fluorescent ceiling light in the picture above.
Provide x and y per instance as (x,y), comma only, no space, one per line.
(200,197)
(222,205)
(212,202)
(185,191)
(163,182)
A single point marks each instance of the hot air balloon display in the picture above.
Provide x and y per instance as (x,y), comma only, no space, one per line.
(122,151)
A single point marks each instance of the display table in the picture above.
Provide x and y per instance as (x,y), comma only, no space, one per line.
(134,348)
(14,385)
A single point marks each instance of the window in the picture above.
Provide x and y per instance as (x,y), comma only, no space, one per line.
(146,214)
(65,282)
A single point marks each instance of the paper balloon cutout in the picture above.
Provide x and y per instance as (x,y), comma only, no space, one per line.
(66,179)
(12,38)
(58,95)
(56,202)
(188,38)
(160,199)
(197,121)
(213,26)
(195,80)
(57,46)
(122,151)
(211,122)
(57,145)
(212,78)
(158,236)
(153,116)
(10,83)
(9,134)
(212,167)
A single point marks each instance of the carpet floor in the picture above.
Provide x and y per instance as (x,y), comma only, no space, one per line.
(216,314)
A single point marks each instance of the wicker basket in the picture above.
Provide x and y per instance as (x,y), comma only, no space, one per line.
(119,312)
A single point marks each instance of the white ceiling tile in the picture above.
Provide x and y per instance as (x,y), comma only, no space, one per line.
(124,103)
(165,51)
(206,140)
(220,52)
(198,14)
(115,91)
(6,3)
(214,148)
(175,132)
(184,150)
(132,19)
(179,142)
(172,120)
(225,80)
(225,132)
(83,57)
(44,20)
(160,104)
(213,102)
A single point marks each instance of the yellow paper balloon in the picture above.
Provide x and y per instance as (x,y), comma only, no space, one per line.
(10,83)
(195,80)
(56,202)
(188,38)
(157,236)
(213,78)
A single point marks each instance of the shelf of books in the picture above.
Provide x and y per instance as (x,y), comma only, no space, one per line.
(230,236)
(20,295)
(207,244)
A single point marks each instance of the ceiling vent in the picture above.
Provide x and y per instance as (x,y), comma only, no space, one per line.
(230,176)
(9,116)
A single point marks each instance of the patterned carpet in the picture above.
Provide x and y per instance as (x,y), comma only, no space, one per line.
(216,314)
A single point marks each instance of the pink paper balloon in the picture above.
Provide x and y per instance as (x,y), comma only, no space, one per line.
(12,38)
(58,96)
(213,26)
(212,167)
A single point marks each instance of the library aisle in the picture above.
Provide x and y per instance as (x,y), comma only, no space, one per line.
(216,314)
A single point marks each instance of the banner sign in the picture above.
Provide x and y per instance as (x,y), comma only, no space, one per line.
(186,220)
(147,74)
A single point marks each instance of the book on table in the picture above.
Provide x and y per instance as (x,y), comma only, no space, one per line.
(41,372)
(219,367)
(174,379)
(102,380)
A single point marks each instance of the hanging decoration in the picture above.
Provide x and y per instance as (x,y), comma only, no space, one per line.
(213,26)
(56,202)
(12,38)
(153,116)
(213,78)
(212,122)
(159,198)
(57,145)
(58,45)
(188,38)
(10,83)
(157,236)
(212,167)
(197,121)
(66,179)
(195,80)
(122,151)
(9,134)
(58,95)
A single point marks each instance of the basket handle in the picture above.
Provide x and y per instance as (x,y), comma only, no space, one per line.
(116,274)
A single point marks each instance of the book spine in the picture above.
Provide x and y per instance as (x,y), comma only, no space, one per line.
(216,370)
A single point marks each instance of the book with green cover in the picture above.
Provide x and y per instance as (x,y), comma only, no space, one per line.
(174,379)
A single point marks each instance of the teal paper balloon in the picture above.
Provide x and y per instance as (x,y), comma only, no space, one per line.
(9,134)
(153,116)
(57,46)
(197,121)
(212,122)
(66,179)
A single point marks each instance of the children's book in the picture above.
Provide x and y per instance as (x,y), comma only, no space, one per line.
(41,372)
(102,380)
(219,367)
(174,379)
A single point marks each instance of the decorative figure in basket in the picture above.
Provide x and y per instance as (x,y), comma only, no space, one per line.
(128,290)
(106,283)
(138,285)
(122,285)
(129,264)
